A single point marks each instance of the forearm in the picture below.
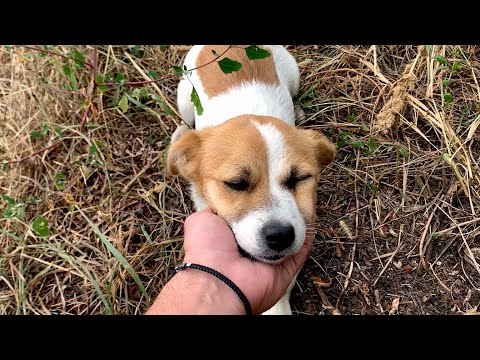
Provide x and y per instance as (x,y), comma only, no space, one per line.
(193,292)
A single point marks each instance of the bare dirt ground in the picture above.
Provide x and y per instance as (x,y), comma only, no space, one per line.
(90,223)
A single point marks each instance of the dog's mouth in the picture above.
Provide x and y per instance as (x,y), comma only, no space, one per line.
(272,259)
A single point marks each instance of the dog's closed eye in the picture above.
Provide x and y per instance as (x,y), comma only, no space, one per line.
(294,178)
(237,184)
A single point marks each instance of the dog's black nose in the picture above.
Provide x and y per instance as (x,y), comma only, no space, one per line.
(278,236)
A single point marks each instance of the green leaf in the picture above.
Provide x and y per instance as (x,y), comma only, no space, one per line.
(447,97)
(163,48)
(135,50)
(164,106)
(92,150)
(66,70)
(123,104)
(178,70)
(73,81)
(457,66)
(373,187)
(196,101)
(372,145)
(36,135)
(136,102)
(436,236)
(120,78)
(445,82)
(58,132)
(79,56)
(3,166)
(254,52)
(142,93)
(441,59)
(9,200)
(117,255)
(357,144)
(99,80)
(228,66)
(14,211)
(153,74)
(60,183)
(214,52)
(404,151)
(40,226)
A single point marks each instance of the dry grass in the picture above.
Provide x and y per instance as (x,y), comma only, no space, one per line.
(409,197)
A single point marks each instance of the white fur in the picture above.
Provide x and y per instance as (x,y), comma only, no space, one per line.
(254,98)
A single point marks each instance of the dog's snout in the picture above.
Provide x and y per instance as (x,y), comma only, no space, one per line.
(279,236)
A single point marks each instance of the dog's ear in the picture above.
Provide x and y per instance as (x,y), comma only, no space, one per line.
(325,150)
(182,158)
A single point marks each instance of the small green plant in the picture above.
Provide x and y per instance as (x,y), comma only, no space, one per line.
(367,147)
(372,187)
(60,181)
(404,151)
(454,67)
(40,226)
(15,210)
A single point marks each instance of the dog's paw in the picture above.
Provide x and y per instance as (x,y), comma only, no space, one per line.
(179,131)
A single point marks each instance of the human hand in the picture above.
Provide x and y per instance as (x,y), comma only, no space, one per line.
(209,241)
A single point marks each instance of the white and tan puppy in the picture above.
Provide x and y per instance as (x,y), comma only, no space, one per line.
(246,159)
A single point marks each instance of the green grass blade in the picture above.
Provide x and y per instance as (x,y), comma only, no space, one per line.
(117,255)
(14,237)
(69,258)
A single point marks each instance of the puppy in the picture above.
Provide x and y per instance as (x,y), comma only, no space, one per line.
(246,159)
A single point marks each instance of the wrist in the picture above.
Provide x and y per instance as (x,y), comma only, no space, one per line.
(194,292)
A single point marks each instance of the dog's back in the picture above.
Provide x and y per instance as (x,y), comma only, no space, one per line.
(261,87)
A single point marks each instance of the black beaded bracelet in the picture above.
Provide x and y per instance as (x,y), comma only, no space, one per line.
(222,277)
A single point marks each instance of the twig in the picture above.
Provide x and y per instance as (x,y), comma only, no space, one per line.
(126,187)
(36,152)
(57,54)
(399,247)
(135,83)
(326,303)
(85,116)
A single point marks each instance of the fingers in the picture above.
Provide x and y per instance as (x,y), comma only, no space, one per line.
(205,231)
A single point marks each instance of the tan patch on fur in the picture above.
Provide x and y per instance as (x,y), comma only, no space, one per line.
(219,154)
(215,81)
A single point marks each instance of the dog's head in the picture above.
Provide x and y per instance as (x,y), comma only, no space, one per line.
(258,173)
